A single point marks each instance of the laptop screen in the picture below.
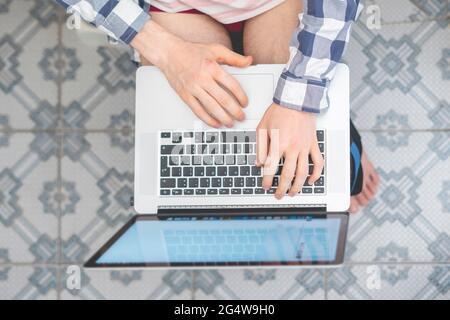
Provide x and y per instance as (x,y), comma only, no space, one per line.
(190,242)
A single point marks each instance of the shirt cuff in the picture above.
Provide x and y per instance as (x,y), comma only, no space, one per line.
(124,21)
(302,94)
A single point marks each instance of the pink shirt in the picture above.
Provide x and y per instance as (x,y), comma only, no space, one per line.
(224,11)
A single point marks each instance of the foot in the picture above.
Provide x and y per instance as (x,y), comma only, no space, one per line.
(371,181)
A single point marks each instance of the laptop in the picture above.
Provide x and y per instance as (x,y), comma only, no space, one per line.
(198,192)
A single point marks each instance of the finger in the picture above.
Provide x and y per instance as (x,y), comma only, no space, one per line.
(318,163)
(226,101)
(287,174)
(368,191)
(362,199)
(353,205)
(200,112)
(213,108)
(300,174)
(262,140)
(231,84)
(224,55)
(271,164)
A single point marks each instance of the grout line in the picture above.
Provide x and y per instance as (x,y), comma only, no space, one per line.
(325,284)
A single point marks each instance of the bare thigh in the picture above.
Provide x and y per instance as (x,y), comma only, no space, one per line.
(267,36)
(197,28)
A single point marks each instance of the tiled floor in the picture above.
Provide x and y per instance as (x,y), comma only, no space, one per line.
(66,165)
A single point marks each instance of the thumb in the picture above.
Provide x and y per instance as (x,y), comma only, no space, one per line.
(226,56)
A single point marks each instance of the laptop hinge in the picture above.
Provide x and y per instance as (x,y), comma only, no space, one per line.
(243,209)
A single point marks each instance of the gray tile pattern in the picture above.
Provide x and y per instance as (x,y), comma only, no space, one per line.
(66,165)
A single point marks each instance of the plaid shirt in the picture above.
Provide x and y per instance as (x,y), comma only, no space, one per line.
(316,46)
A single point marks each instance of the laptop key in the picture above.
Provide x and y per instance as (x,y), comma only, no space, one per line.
(204,182)
(174,160)
(233,171)
(226,148)
(307,190)
(238,182)
(256,171)
(164,161)
(229,160)
(165,135)
(222,171)
(188,171)
(208,160)
(199,137)
(212,137)
(218,160)
(319,190)
(320,135)
(177,137)
(321,147)
(248,191)
(250,182)
(185,160)
(259,181)
(271,191)
(196,160)
(319,182)
(210,171)
(181,182)
(241,160)
(251,159)
(165,172)
(199,171)
(193,182)
(260,191)
(167,149)
(164,192)
(188,192)
(213,191)
(176,171)
(216,182)
(176,192)
(245,171)
(235,191)
(200,191)
(224,191)
(227,182)
(167,183)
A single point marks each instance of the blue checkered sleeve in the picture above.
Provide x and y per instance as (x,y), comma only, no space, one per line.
(316,47)
(120,19)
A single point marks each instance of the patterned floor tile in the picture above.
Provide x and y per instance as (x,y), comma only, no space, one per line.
(408,10)
(130,284)
(99,93)
(28,283)
(28,64)
(28,193)
(259,284)
(409,218)
(400,76)
(389,282)
(97,178)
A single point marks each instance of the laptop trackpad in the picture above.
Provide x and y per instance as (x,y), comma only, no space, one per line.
(259,89)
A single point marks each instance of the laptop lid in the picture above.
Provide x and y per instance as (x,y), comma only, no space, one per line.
(280,240)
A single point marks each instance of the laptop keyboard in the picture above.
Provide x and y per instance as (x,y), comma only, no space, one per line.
(215,163)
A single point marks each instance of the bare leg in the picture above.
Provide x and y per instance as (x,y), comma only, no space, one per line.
(197,28)
(266,38)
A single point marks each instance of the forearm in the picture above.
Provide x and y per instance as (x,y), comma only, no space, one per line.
(152,34)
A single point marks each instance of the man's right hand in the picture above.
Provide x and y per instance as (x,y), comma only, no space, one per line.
(194,72)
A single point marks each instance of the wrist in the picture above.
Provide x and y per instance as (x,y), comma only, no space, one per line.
(154,42)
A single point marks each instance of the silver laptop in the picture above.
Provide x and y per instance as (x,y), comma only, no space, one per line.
(199,192)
